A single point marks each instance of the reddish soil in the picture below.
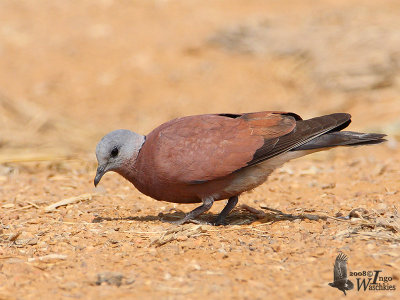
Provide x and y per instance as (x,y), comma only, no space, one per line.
(72,71)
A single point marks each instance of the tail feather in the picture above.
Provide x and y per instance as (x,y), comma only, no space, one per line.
(342,138)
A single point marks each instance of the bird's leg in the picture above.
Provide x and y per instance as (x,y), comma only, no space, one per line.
(220,220)
(207,203)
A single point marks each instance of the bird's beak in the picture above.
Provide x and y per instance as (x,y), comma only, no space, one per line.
(101,170)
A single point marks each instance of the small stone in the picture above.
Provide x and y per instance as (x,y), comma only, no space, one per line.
(32,241)
(328,186)
(110,278)
(358,213)
(181,238)
(382,206)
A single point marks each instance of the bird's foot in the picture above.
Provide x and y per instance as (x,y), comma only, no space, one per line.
(201,222)
(220,222)
(184,220)
(175,222)
(217,222)
(190,217)
(207,203)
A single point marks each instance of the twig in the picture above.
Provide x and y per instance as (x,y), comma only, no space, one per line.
(83,197)
(23,207)
(33,204)
(14,236)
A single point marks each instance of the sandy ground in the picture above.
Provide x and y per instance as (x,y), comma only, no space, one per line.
(72,71)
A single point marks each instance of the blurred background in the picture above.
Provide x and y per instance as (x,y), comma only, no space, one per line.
(71,71)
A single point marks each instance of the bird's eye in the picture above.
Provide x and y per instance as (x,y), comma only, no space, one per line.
(114,152)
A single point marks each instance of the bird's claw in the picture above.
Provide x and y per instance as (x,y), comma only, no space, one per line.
(219,223)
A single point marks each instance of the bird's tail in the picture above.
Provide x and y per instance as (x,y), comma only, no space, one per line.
(342,138)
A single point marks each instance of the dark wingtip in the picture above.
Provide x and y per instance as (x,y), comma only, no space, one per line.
(372,142)
(343,119)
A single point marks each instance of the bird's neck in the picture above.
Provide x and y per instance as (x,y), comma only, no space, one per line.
(131,169)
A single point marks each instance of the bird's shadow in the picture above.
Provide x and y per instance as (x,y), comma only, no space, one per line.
(135,218)
(242,215)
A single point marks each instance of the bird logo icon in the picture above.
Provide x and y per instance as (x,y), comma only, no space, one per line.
(340,280)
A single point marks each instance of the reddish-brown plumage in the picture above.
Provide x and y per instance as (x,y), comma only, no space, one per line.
(189,158)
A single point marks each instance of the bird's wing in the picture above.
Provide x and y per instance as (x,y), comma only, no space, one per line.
(200,148)
(340,268)
(303,132)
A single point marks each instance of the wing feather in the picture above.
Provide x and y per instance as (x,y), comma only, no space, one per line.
(200,148)
(304,131)
(340,268)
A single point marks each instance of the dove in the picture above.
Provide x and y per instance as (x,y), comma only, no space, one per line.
(211,157)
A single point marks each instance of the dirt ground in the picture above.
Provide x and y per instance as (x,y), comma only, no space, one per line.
(71,71)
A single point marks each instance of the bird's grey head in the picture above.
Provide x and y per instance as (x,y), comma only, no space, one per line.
(115,150)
